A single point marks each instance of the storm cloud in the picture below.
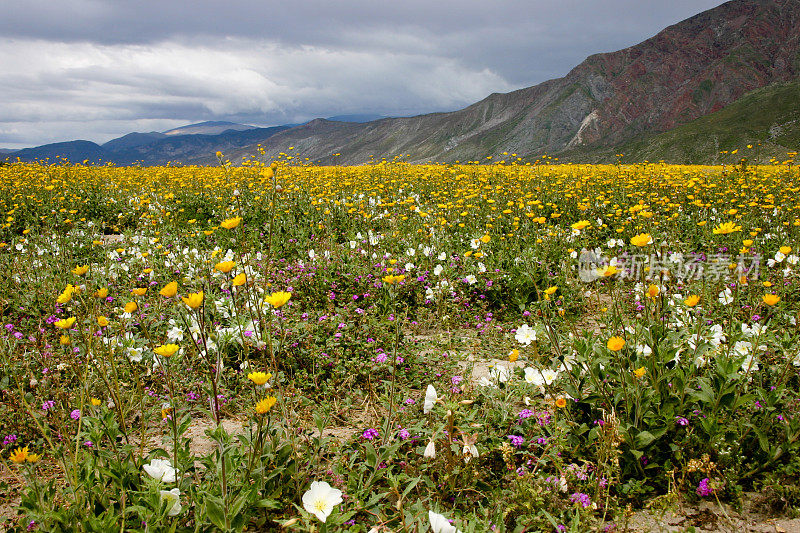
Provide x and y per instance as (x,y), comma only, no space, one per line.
(96,69)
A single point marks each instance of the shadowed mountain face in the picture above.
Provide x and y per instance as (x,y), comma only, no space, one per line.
(687,71)
(150,148)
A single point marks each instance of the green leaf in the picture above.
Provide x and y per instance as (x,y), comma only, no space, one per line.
(215,510)
(644,439)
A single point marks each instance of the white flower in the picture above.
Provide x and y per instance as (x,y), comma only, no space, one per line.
(750,363)
(175,334)
(173,499)
(499,373)
(481,267)
(726,297)
(717,337)
(643,349)
(312,254)
(437,270)
(779,256)
(752,331)
(525,334)
(442,256)
(320,499)
(135,354)
(486,382)
(430,450)
(792,259)
(409,266)
(162,470)
(430,399)
(440,524)
(471,279)
(540,378)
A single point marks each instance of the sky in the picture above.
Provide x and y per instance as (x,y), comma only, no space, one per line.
(98,69)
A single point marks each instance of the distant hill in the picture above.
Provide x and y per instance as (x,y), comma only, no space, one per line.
(74,151)
(132,140)
(194,148)
(7,151)
(209,128)
(150,148)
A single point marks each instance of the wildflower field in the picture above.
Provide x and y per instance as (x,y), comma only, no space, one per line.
(390,347)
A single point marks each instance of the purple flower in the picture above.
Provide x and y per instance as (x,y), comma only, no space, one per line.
(9,439)
(525,413)
(49,404)
(682,421)
(404,434)
(704,489)
(580,497)
(370,434)
(75,414)
(516,440)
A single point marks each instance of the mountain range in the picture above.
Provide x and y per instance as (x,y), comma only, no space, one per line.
(723,78)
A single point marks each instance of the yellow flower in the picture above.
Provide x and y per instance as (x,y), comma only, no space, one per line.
(767,284)
(265,405)
(95,402)
(193,300)
(653,291)
(726,228)
(20,455)
(513,355)
(259,378)
(65,323)
(231,223)
(581,224)
(139,291)
(102,321)
(607,271)
(692,300)
(33,457)
(561,403)
(169,290)
(615,344)
(278,299)
(392,279)
(101,293)
(639,372)
(747,242)
(225,266)
(239,280)
(80,270)
(130,307)
(551,290)
(66,296)
(485,239)
(641,240)
(167,350)
(771,299)
(786,250)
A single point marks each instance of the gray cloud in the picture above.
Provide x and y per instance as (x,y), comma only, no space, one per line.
(98,69)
